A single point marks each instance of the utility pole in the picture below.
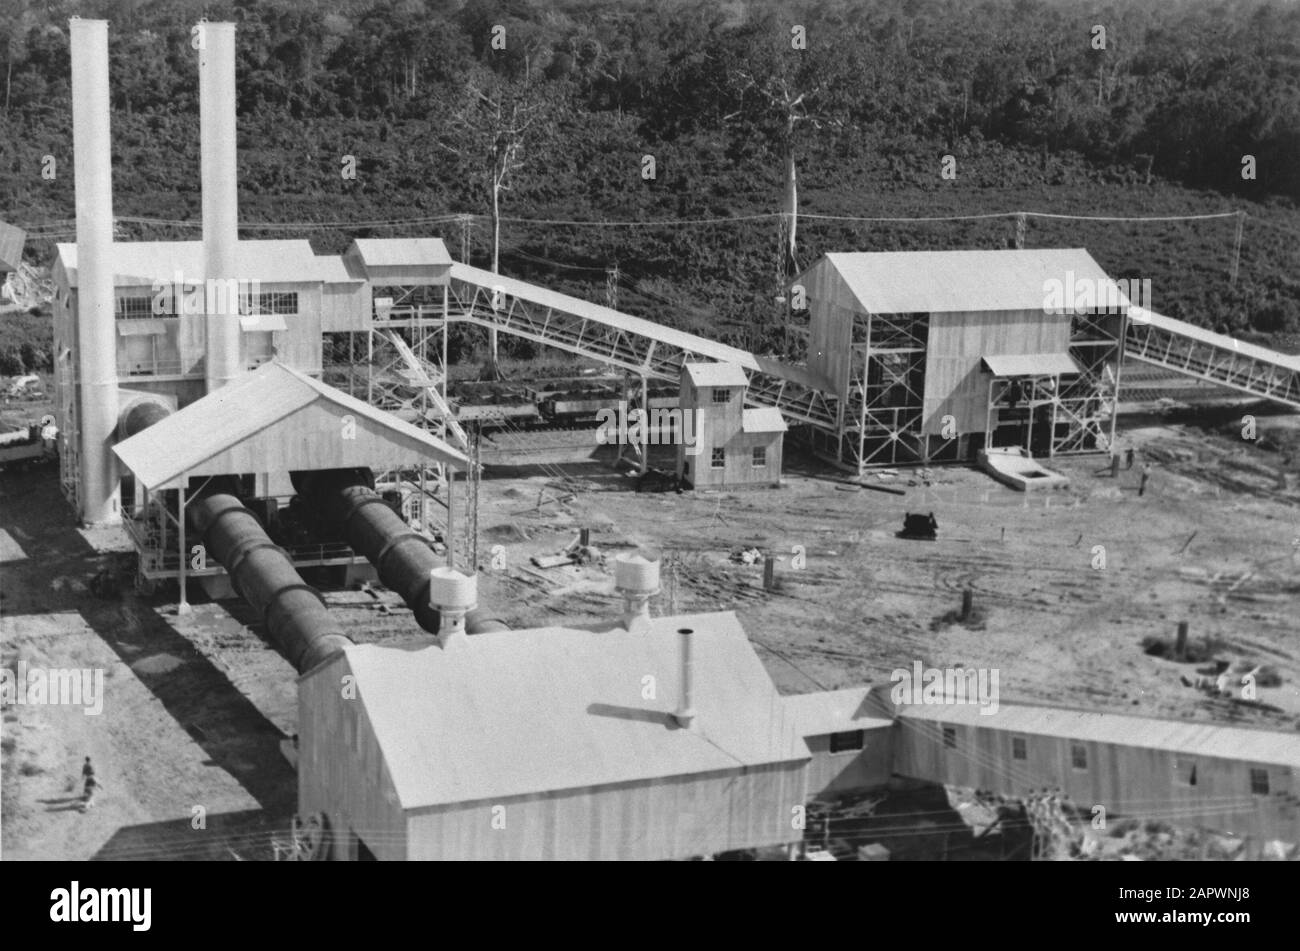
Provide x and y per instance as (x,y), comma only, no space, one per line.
(611,287)
(473,486)
(465,221)
(1236,250)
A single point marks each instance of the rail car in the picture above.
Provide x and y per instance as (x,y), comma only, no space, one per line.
(560,404)
(31,445)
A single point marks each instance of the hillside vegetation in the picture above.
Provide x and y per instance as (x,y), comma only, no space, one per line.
(1036,117)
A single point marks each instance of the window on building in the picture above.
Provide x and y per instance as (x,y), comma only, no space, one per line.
(718,459)
(950,737)
(1185,771)
(1019,749)
(1078,756)
(280,302)
(134,308)
(721,394)
(1259,782)
(848,740)
(760,457)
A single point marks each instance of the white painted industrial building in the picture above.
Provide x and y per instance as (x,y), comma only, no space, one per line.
(552,743)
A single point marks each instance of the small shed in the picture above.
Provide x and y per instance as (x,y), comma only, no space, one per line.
(734,446)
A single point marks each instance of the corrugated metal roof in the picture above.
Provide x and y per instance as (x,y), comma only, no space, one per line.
(512,713)
(904,282)
(141,263)
(256,413)
(715,374)
(1031,364)
(1178,736)
(1140,315)
(835,711)
(402,252)
(604,315)
(12,239)
(766,419)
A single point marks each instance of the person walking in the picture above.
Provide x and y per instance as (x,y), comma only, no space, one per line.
(1146,477)
(87,770)
(88,796)
(1128,458)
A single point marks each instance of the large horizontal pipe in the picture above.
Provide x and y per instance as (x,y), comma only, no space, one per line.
(295,616)
(402,557)
(140,416)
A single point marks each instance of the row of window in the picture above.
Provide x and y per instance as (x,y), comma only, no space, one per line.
(278,302)
(1184,769)
(718,458)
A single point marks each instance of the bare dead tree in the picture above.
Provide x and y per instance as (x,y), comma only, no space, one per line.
(492,131)
(788,108)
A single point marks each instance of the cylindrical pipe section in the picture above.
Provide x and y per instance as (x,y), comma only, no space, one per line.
(296,618)
(220,201)
(402,557)
(96,331)
(686,702)
(140,416)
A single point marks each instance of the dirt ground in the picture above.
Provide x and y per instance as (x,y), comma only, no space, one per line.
(189,744)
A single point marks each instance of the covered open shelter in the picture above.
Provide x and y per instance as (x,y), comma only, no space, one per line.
(260,428)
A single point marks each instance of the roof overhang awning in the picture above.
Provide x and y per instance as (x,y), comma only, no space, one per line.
(261,323)
(1031,364)
(141,328)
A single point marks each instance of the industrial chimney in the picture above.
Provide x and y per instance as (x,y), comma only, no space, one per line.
(637,580)
(685,714)
(453,595)
(96,332)
(220,201)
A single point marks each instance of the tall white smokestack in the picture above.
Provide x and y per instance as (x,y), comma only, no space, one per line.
(220,199)
(96,332)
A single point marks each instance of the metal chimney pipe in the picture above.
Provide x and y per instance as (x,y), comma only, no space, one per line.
(686,701)
(96,332)
(220,201)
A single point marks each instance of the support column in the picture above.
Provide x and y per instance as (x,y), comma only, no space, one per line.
(645,424)
(183,606)
(451,518)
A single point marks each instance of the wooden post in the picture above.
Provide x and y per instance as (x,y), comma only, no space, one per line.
(967,603)
(183,606)
(769,573)
(451,518)
(1180,643)
(645,423)
(1114,467)
(584,537)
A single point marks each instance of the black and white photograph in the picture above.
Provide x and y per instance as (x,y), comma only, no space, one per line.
(649,430)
